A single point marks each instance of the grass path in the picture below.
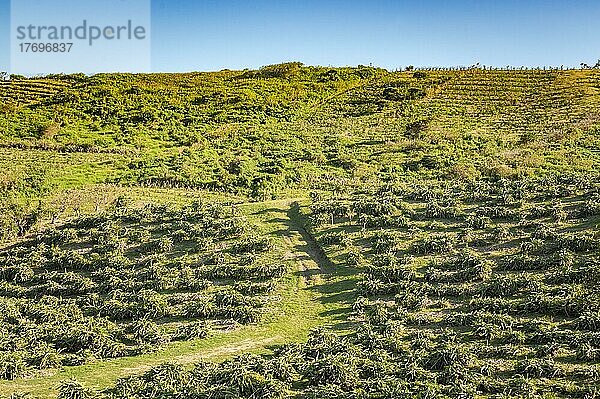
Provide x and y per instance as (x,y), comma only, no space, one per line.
(314,294)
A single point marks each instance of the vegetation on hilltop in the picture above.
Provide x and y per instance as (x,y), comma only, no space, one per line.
(259,132)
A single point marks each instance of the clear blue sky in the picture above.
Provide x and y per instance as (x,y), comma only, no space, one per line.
(210,35)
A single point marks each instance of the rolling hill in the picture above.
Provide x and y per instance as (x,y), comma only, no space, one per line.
(299,231)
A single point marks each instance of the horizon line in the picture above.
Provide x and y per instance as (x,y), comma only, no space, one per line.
(409,68)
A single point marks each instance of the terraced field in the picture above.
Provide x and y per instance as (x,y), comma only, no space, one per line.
(30,91)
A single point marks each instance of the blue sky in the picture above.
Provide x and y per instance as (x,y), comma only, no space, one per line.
(210,35)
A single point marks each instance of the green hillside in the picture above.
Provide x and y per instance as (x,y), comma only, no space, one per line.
(260,132)
(300,231)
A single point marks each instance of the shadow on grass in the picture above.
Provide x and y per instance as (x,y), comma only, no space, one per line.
(335,286)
